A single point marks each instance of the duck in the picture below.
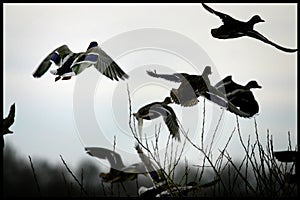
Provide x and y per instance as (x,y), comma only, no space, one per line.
(71,64)
(118,171)
(162,185)
(156,109)
(165,191)
(233,28)
(8,122)
(193,86)
(239,95)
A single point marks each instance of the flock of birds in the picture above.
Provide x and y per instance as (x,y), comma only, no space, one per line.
(228,94)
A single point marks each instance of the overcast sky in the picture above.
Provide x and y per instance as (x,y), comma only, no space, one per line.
(53,118)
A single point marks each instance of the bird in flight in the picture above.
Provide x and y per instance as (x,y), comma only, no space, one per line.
(193,86)
(155,110)
(163,186)
(118,171)
(8,122)
(71,64)
(239,95)
(233,28)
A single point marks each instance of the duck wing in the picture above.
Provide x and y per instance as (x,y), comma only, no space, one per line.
(245,101)
(102,153)
(136,168)
(10,119)
(224,17)
(107,66)
(171,122)
(170,119)
(56,56)
(176,77)
(217,98)
(257,35)
(223,83)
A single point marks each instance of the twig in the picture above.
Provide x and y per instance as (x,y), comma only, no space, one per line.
(206,156)
(245,180)
(103,188)
(66,184)
(216,129)
(115,142)
(147,146)
(35,177)
(77,181)
(81,182)
(203,123)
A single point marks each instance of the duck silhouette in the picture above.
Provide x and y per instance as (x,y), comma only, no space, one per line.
(239,95)
(71,64)
(8,122)
(193,86)
(162,185)
(233,28)
(118,171)
(155,110)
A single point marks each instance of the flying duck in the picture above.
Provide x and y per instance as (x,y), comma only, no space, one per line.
(162,186)
(193,86)
(155,110)
(71,64)
(118,171)
(233,28)
(8,121)
(239,95)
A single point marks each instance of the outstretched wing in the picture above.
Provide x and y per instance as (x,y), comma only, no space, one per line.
(55,56)
(107,66)
(225,18)
(10,119)
(177,77)
(113,158)
(137,168)
(257,35)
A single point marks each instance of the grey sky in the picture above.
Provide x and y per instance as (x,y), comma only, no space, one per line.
(45,126)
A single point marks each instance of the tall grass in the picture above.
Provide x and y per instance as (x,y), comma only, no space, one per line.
(256,174)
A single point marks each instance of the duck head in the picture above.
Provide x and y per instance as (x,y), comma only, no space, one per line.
(253,84)
(92,44)
(256,19)
(168,100)
(207,71)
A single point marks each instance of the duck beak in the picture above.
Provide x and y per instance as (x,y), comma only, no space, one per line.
(261,20)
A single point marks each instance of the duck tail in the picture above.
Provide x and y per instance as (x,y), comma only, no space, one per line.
(174,96)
